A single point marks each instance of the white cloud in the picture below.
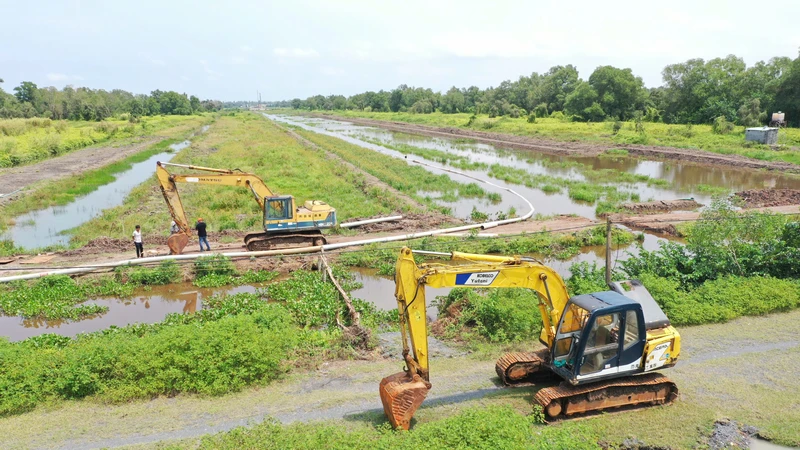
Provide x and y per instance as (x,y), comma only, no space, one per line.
(211,74)
(332,71)
(63,77)
(295,52)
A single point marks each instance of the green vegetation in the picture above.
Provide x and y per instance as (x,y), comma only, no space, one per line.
(235,341)
(695,91)
(253,144)
(732,265)
(409,179)
(495,427)
(82,103)
(24,141)
(56,297)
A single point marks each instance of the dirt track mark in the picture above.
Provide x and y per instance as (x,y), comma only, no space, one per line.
(573,148)
(369,180)
(73,163)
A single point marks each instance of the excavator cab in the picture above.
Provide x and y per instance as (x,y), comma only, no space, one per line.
(600,335)
(278,208)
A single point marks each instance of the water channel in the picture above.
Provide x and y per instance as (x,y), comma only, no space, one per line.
(685,180)
(51,226)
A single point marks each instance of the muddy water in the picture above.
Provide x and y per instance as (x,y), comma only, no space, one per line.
(379,289)
(686,180)
(149,306)
(50,226)
(760,444)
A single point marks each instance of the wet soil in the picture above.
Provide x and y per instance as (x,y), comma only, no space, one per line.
(67,165)
(759,198)
(574,148)
(663,206)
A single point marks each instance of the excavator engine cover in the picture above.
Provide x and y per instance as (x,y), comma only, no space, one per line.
(177,242)
(401,395)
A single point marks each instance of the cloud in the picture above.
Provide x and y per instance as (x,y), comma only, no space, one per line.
(246,48)
(63,77)
(332,71)
(238,60)
(295,52)
(212,74)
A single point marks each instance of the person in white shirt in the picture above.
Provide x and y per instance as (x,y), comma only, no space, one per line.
(174,228)
(137,241)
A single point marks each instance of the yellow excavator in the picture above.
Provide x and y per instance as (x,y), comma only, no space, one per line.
(604,345)
(284,222)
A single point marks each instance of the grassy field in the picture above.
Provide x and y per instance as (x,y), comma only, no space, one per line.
(681,136)
(252,144)
(25,141)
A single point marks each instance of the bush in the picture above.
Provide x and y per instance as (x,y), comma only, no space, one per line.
(167,272)
(532,118)
(721,126)
(220,357)
(499,315)
(213,265)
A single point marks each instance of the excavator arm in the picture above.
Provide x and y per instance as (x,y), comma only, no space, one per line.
(220,177)
(403,393)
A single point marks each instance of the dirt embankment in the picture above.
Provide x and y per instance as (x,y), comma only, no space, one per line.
(760,198)
(72,163)
(574,148)
(661,206)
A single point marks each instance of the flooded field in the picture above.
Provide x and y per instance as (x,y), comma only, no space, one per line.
(145,306)
(679,180)
(51,226)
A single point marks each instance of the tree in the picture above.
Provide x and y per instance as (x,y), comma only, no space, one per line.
(557,84)
(787,95)
(619,92)
(194,104)
(582,104)
(751,114)
(26,92)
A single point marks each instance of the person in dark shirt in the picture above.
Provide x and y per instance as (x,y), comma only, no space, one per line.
(201,234)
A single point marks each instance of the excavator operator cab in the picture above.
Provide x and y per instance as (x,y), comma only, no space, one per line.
(600,335)
(278,208)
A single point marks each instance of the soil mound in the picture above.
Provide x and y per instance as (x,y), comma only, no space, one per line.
(759,198)
(685,204)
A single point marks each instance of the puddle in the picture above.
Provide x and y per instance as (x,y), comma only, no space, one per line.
(143,307)
(47,226)
(761,444)
(686,180)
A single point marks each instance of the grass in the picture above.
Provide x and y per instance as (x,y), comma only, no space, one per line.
(413,180)
(252,144)
(701,137)
(25,141)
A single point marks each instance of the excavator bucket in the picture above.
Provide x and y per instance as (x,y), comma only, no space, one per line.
(177,242)
(401,395)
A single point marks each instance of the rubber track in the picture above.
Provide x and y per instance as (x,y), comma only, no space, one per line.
(564,391)
(508,362)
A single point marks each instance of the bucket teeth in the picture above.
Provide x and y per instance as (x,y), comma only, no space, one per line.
(401,395)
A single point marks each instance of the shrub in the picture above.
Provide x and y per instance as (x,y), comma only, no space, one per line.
(721,125)
(167,272)
(532,118)
(215,264)
(499,315)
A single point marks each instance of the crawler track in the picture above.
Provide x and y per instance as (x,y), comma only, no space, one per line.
(262,241)
(524,368)
(565,400)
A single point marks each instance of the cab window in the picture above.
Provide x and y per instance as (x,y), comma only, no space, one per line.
(278,209)
(602,343)
(569,331)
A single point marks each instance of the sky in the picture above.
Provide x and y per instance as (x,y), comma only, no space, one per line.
(232,49)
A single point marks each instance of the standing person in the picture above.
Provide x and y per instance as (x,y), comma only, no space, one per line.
(201,234)
(137,241)
(174,228)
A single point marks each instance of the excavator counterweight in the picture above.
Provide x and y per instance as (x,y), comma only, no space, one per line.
(604,345)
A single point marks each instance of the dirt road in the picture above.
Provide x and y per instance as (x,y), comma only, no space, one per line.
(573,148)
(72,163)
(726,370)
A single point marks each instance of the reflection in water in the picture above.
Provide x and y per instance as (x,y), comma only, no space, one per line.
(144,307)
(686,179)
(48,226)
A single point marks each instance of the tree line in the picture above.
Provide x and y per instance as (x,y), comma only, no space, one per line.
(29,100)
(694,91)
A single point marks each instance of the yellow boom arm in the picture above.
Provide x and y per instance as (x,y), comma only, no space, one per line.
(479,271)
(221,177)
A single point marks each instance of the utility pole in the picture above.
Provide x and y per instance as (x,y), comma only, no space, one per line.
(608,249)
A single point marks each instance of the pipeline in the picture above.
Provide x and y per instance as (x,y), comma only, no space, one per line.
(295,251)
(367,221)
